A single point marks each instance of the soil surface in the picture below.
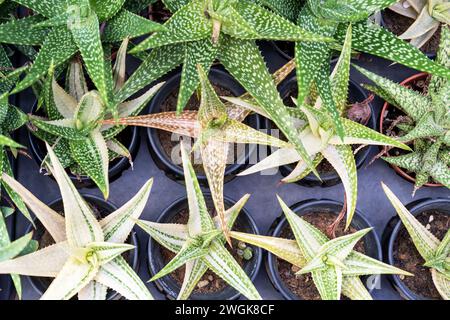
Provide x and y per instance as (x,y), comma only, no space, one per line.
(398,24)
(408,258)
(302,285)
(210,282)
(166,138)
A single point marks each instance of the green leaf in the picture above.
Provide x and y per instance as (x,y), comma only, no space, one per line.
(64,128)
(106,9)
(48,8)
(57,48)
(128,25)
(375,40)
(91,154)
(13,249)
(21,31)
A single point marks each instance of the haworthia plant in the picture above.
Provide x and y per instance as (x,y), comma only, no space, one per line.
(86,257)
(427,124)
(63,28)
(203,31)
(428,15)
(334,265)
(436,253)
(74,121)
(216,125)
(331,18)
(199,245)
(321,139)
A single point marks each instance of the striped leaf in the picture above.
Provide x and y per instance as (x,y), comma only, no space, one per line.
(13,249)
(76,81)
(81,226)
(118,225)
(194,272)
(73,277)
(222,263)
(64,128)
(120,277)
(343,161)
(442,284)
(329,283)
(360,265)
(170,236)
(91,154)
(107,251)
(93,291)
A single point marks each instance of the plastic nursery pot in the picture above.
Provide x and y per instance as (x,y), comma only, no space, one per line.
(129,138)
(330,178)
(391,234)
(372,245)
(162,143)
(384,113)
(103,208)
(168,285)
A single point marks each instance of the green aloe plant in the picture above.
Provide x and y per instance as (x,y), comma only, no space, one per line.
(436,253)
(428,16)
(199,245)
(74,125)
(331,18)
(334,265)
(203,31)
(86,257)
(216,125)
(63,28)
(320,137)
(427,124)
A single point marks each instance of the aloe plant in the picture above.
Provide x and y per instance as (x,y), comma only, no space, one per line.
(199,245)
(216,125)
(320,137)
(86,257)
(334,265)
(203,31)
(427,124)
(331,18)
(74,126)
(432,250)
(63,28)
(428,16)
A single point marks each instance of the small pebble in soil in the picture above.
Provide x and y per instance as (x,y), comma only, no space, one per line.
(203,284)
(431,219)
(242,245)
(295,269)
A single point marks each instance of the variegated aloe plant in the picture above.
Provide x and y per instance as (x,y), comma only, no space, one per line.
(436,253)
(216,125)
(428,16)
(199,245)
(427,121)
(74,126)
(331,18)
(64,28)
(86,257)
(334,265)
(320,137)
(203,31)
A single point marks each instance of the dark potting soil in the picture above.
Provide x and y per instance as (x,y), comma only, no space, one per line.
(398,24)
(210,282)
(302,285)
(169,142)
(408,258)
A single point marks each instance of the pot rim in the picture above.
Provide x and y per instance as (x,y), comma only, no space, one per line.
(152,134)
(384,109)
(279,224)
(94,198)
(416,208)
(152,245)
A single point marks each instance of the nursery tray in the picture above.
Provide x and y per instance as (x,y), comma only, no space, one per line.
(263,206)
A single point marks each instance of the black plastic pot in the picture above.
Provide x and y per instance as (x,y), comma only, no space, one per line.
(390,236)
(168,286)
(129,137)
(329,179)
(40,284)
(371,242)
(163,161)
